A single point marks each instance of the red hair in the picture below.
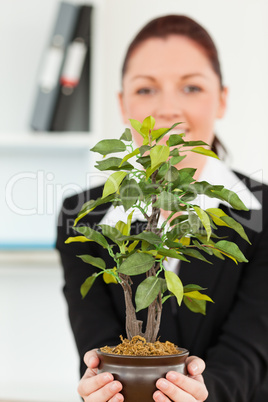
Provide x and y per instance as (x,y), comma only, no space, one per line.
(162,27)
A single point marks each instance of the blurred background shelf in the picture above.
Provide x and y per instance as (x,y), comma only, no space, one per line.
(48,140)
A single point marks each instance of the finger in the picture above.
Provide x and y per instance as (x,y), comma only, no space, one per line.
(89,384)
(91,359)
(195,365)
(110,392)
(117,398)
(159,397)
(191,386)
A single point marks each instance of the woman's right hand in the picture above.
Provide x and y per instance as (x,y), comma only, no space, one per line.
(95,387)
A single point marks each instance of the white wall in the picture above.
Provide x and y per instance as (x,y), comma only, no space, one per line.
(38,361)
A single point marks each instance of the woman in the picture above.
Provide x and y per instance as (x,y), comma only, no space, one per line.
(172,72)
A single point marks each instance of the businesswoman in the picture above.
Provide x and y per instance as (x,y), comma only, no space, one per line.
(172,72)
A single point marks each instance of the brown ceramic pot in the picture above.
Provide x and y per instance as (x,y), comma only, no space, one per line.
(138,374)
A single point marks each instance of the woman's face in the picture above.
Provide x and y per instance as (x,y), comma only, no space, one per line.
(172,80)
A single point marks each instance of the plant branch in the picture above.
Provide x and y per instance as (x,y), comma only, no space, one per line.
(133,325)
(143,212)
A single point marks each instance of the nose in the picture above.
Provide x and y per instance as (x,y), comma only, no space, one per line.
(169,107)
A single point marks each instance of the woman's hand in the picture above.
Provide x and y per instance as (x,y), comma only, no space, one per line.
(95,387)
(180,388)
(176,387)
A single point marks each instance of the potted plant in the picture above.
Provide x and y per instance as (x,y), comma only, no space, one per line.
(154,182)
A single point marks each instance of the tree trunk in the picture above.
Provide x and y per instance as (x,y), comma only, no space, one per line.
(133,325)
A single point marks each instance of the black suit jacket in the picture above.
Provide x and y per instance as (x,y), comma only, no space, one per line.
(233,336)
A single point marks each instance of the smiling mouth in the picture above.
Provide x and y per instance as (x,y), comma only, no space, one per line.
(178,131)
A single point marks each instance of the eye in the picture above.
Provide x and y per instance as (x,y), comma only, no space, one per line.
(191,89)
(146,91)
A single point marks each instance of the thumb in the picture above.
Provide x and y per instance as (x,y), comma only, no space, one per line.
(91,359)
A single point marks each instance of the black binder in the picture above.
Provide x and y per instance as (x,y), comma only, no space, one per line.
(48,88)
(72,111)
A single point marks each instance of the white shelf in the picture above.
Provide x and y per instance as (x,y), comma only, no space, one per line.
(53,140)
(28,258)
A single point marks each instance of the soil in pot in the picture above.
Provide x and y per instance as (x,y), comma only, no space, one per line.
(137,372)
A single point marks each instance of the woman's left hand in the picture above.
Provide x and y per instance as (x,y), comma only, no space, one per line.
(181,388)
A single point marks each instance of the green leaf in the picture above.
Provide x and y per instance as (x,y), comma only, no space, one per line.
(129,193)
(163,285)
(105,147)
(195,254)
(204,151)
(216,215)
(113,163)
(132,246)
(175,139)
(149,237)
(113,182)
(137,126)
(232,223)
(186,176)
(195,294)
(136,264)
(93,235)
(231,249)
(130,155)
(178,219)
(171,253)
(148,125)
(175,160)
(196,306)
(203,247)
(97,262)
(144,128)
(191,287)
(150,171)
(112,233)
(174,245)
(144,148)
(164,299)
(158,155)
(209,243)
(162,170)
(108,276)
(159,133)
(175,152)
(147,292)
(195,223)
(194,143)
(90,205)
(159,137)
(167,201)
(174,285)
(81,239)
(123,227)
(172,174)
(179,230)
(126,136)
(231,197)
(203,187)
(129,221)
(222,219)
(203,216)
(86,286)
(145,161)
